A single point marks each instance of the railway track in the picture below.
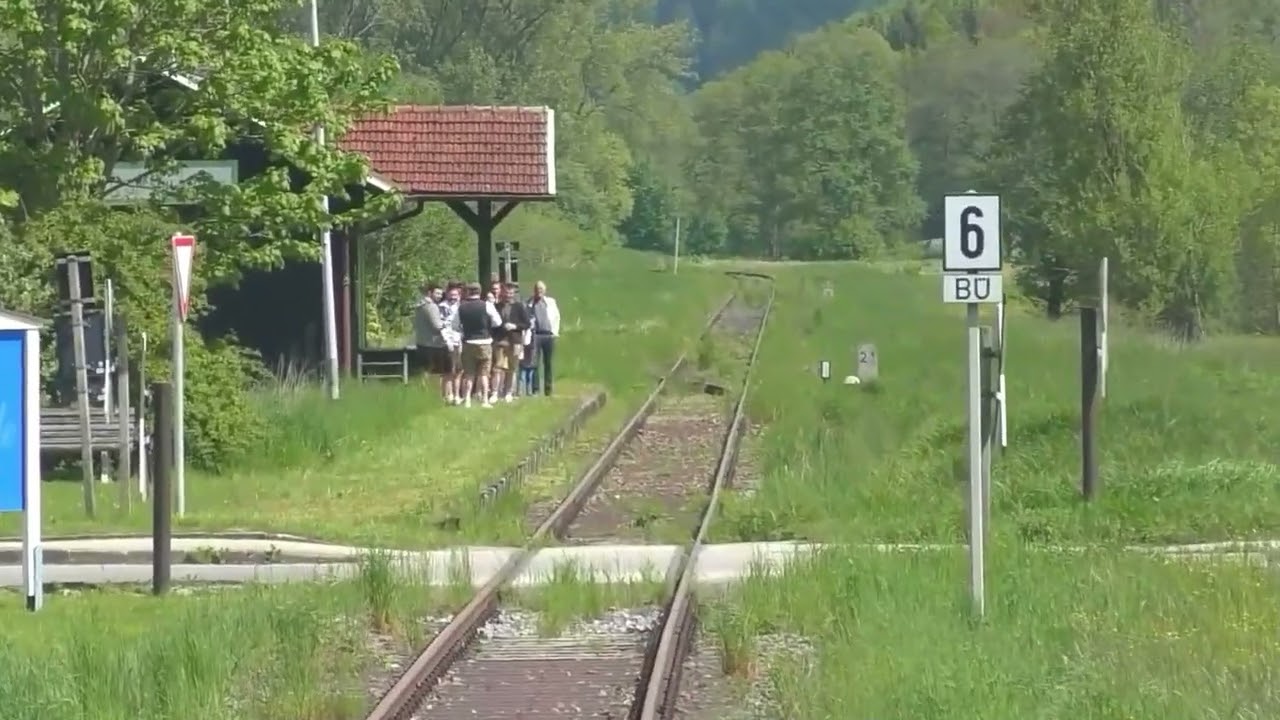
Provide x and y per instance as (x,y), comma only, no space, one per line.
(673,456)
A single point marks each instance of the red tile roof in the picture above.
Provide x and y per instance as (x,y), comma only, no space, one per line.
(460,152)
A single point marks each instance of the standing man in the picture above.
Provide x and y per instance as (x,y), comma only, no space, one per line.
(428,331)
(452,335)
(478,319)
(546,328)
(508,345)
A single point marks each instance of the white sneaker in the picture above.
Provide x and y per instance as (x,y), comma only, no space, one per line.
(509,398)
(493,398)
(486,404)
(451,400)
(466,402)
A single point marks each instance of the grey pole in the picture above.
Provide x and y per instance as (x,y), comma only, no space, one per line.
(326,251)
(178,424)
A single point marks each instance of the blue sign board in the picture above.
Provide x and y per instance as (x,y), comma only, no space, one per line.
(13,441)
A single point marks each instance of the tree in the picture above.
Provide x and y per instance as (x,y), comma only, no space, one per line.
(150,82)
(1098,161)
(154,82)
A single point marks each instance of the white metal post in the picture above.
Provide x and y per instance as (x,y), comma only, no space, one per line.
(977,502)
(326,251)
(142,421)
(32,555)
(179,404)
(108,334)
(1001,397)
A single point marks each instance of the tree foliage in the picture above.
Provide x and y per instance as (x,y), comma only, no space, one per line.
(1140,130)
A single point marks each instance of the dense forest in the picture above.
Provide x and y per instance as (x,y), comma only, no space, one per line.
(1143,130)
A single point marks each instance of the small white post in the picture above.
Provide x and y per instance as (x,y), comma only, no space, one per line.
(108,333)
(142,421)
(675,266)
(1103,326)
(1002,406)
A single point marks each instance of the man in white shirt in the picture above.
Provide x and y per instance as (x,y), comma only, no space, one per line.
(478,318)
(545,313)
(452,337)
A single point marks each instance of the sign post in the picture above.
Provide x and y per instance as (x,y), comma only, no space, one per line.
(184,253)
(972,262)
(20,443)
(1001,399)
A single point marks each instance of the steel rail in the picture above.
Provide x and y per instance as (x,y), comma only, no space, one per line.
(405,696)
(660,685)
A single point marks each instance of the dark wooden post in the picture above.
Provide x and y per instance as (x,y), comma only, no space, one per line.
(161,504)
(484,241)
(1088,401)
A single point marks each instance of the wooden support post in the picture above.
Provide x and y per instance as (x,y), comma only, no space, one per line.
(82,384)
(482,220)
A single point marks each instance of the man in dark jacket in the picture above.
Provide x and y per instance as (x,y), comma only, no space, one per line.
(508,342)
(477,318)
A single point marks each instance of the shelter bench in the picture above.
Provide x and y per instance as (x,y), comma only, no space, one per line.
(384,363)
(60,430)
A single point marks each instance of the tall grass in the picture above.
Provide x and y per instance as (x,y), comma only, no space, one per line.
(1188,434)
(1068,635)
(257,653)
(302,428)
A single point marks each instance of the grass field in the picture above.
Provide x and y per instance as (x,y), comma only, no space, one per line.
(378,466)
(1080,635)
(1188,435)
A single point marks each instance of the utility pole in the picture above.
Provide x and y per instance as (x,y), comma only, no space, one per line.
(326,250)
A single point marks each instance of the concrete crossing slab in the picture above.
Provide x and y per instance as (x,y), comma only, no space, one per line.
(602,563)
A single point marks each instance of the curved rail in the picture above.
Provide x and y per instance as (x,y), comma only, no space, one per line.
(402,700)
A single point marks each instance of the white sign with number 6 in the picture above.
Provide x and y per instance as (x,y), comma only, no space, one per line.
(972,239)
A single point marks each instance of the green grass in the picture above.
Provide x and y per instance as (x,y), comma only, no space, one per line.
(1188,435)
(570,593)
(1068,635)
(384,464)
(257,653)
(1188,453)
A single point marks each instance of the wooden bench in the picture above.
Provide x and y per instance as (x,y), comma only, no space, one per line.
(60,430)
(384,363)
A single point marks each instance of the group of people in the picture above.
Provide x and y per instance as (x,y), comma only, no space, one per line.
(490,346)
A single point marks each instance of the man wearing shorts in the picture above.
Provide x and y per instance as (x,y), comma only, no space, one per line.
(478,318)
(508,343)
(452,378)
(428,330)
